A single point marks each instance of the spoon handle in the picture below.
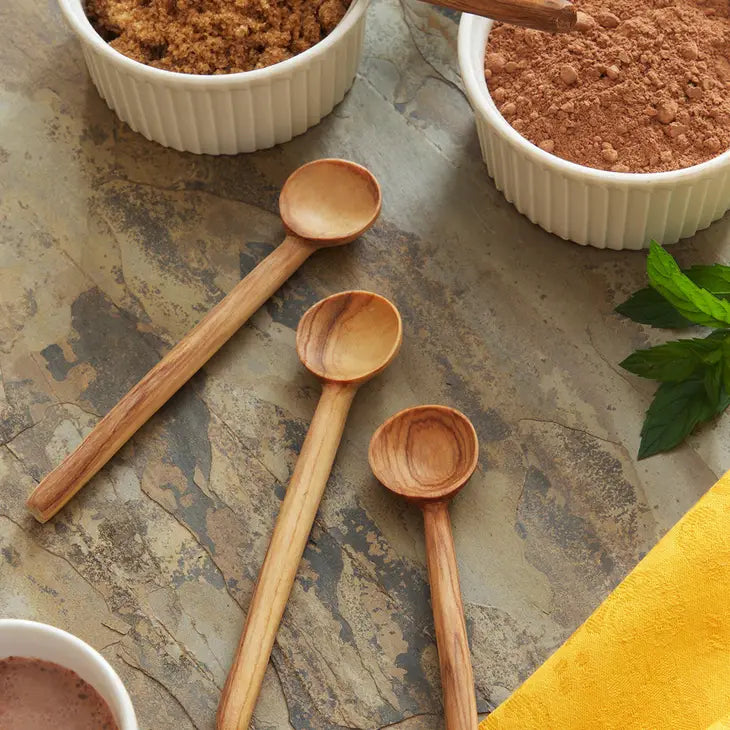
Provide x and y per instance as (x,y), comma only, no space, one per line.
(166,378)
(553,16)
(457,679)
(286,548)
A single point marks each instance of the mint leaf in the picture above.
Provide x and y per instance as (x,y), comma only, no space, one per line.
(674,413)
(671,362)
(726,365)
(691,301)
(715,278)
(648,306)
(676,361)
(713,382)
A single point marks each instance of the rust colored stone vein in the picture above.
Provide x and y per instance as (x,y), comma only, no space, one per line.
(213,36)
(643,88)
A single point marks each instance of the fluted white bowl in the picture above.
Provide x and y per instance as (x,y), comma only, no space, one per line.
(604,209)
(226,113)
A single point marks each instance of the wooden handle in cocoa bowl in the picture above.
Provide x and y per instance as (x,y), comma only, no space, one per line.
(553,16)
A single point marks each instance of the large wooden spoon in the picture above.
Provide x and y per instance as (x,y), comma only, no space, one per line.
(344,340)
(426,454)
(324,203)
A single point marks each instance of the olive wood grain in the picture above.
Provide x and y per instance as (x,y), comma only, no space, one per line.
(426,454)
(324,203)
(457,679)
(344,340)
(166,378)
(553,16)
(283,556)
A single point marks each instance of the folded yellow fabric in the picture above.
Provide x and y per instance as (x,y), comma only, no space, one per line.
(656,654)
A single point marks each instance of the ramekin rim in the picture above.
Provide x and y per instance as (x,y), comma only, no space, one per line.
(129,718)
(86,32)
(482,103)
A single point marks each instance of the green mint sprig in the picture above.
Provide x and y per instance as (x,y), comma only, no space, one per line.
(694,373)
(648,306)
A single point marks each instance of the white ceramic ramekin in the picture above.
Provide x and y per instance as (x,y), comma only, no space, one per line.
(604,209)
(229,113)
(41,641)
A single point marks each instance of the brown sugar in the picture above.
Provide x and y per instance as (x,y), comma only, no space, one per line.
(644,86)
(213,36)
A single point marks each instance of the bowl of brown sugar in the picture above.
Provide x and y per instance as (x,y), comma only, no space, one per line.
(615,133)
(220,76)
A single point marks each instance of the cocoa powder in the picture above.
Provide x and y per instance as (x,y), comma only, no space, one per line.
(213,36)
(641,86)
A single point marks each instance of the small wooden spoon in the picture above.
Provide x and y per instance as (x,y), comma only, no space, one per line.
(426,454)
(324,203)
(344,340)
(553,16)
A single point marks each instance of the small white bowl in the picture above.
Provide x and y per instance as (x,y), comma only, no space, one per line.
(41,641)
(226,113)
(581,204)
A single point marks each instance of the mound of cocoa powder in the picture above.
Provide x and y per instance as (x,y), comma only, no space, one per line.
(641,86)
(213,36)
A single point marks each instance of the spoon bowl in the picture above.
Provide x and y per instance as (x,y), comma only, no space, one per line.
(425,454)
(330,202)
(349,337)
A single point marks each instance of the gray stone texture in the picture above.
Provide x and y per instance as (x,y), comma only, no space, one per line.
(112,247)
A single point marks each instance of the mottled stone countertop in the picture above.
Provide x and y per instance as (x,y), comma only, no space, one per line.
(112,247)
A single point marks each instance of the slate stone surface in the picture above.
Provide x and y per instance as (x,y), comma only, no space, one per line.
(112,247)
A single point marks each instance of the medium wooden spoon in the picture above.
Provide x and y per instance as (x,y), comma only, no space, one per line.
(344,340)
(324,203)
(426,454)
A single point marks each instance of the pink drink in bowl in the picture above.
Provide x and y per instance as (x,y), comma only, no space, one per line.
(77,665)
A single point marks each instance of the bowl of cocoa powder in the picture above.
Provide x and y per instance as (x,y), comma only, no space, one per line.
(616,133)
(220,77)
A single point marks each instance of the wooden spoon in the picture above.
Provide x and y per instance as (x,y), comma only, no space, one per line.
(426,454)
(344,340)
(324,203)
(553,16)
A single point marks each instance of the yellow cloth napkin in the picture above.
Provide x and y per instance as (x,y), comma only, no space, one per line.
(656,654)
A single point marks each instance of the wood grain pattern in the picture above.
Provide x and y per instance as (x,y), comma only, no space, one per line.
(349,337)
(426,454)
(166,378)
(457,678)
(331,201)
(324,203)
(344,340)
(283,556)
(553,16)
